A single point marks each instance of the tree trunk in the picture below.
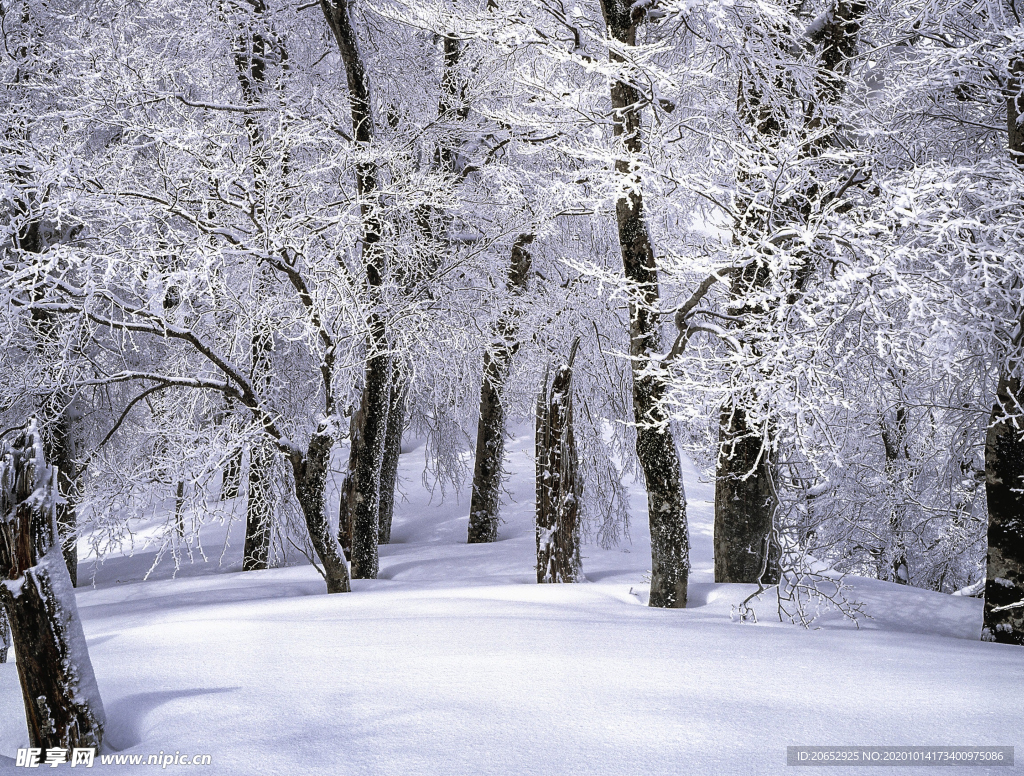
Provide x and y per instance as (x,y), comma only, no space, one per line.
(258,509)
(366,458)
(897,471)
(485,502)
(365,464)
(231,480)
(310,472)
(5,633)
(1004,454)
(558,481)
(655,447)
(63,446)
(746,548)
(62,702)
(392,451)
(179,506)
(746,541)
(251,49)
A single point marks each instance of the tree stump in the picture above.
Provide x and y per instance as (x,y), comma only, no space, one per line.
(558,481)
(62,702)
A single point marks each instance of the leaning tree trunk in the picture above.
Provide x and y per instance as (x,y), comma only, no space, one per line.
(310,472)
(558,481)
(655,447)
(490,435)
(1004,454)
(62,702)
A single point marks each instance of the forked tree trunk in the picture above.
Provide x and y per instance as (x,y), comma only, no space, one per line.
(558,483)
(655,447)
(485,502)
(62,702)
(1004,455)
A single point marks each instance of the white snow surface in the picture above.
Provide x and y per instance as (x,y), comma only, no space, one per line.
(454,661)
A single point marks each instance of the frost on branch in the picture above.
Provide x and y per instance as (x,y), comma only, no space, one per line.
(62,702)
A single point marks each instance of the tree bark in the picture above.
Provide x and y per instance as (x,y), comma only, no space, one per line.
(558,483)
(365,463)
(251,50)
(5,634)
(62,702)
(655,447)
(1004,454)
(258,509)
(746,543)
(895,567)
(310,472)
(367,458)
(392,451)
(231,479)
(746,549)
(63,445)
(485,502)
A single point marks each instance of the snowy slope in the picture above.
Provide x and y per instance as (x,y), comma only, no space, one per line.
(455,662)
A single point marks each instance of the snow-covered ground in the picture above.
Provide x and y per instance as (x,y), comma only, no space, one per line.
(455,661)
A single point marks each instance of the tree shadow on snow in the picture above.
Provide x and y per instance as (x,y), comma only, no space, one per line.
(125,716)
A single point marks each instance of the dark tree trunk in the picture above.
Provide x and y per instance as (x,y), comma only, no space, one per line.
(746,537)
(1004,455)
(366,461)
(231,480)
(62,701)
(392,451)
(63,445)
(258,508)
(179,506)
(5,633)
(558,486)
(655,447)
(897,470)
(251,49)
(746,547)
(310,472)
(485,502)
(368,456)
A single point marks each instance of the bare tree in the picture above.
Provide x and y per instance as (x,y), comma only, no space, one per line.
(655,447)
(490,436)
